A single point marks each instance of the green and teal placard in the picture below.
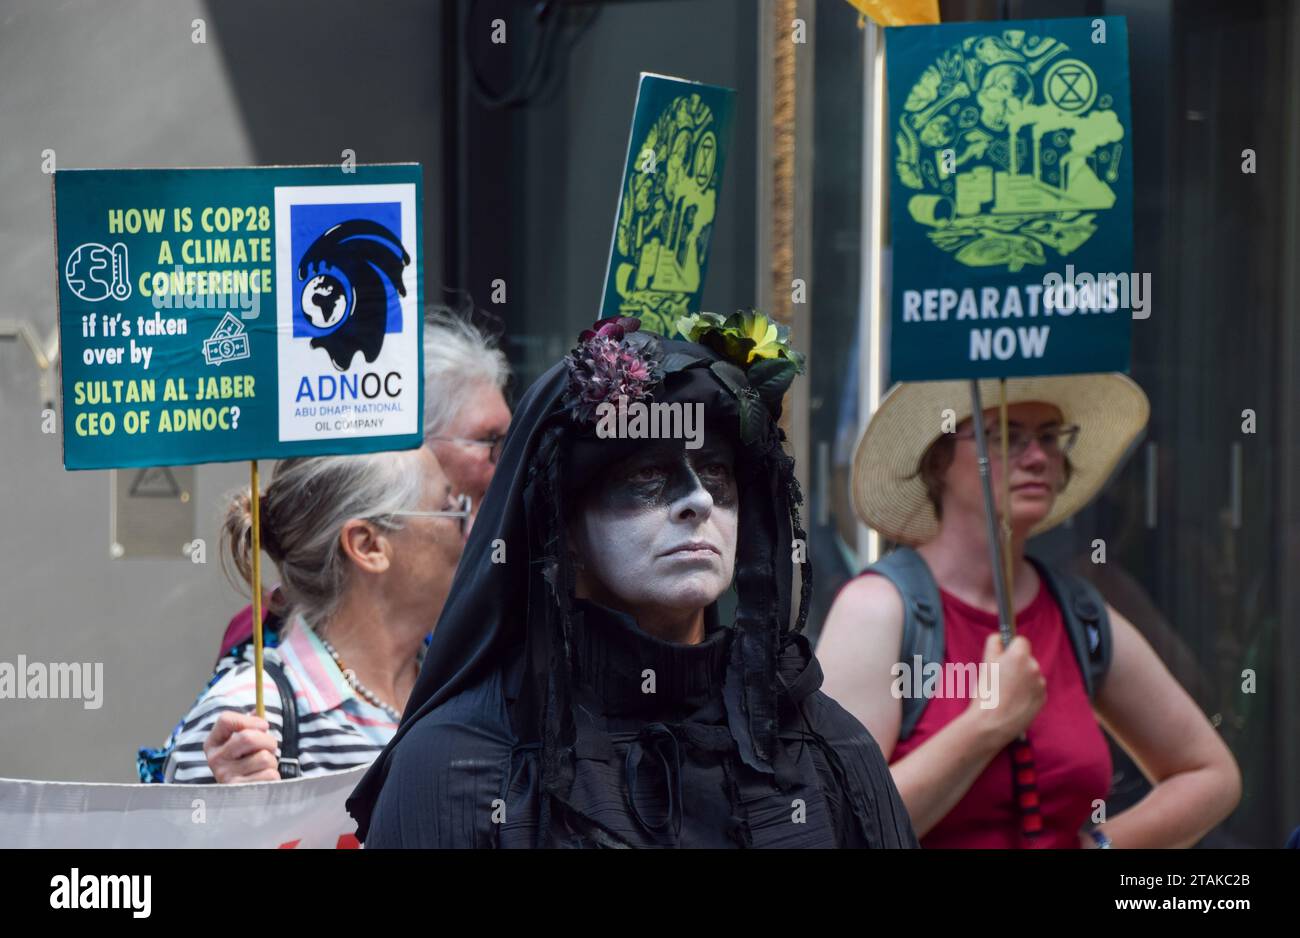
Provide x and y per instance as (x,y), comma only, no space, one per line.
(209,315)
(668,201)
(1011,199)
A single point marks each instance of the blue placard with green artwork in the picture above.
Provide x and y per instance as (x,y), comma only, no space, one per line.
(208,315)
(1011,199)
(668,201)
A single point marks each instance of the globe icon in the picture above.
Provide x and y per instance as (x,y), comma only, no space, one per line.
(94,272)
(324,302)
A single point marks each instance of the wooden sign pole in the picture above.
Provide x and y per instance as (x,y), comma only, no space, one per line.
(256,505)
(1023,769)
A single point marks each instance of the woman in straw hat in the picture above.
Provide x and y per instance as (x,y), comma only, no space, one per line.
(1015,757)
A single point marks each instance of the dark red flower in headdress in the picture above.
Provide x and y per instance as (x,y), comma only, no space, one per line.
(606,366)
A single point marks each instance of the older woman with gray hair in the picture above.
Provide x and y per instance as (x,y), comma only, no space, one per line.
(366,547)
(465,412)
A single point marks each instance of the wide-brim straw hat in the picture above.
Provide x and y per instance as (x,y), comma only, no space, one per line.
(888,493)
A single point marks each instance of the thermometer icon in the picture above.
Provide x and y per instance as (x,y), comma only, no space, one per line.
(121,286)
(94,272)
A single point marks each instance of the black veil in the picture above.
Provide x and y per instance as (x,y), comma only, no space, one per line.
(513,589)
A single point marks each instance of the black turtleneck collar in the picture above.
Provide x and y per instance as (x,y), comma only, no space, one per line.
(611,656)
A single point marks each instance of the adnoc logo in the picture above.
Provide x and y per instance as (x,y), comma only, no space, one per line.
(348,319)
(349,267)
(1012,150)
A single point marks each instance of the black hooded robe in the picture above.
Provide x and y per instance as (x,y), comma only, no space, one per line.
(461,779)
(545,721)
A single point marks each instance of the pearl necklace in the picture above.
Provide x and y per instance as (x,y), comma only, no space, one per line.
(357,687)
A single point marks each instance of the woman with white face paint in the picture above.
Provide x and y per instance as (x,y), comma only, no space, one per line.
(657,538)
(582,689)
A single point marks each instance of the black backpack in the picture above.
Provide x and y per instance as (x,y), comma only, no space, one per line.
(1082,608)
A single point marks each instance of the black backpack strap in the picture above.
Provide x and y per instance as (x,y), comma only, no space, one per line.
(151,762)
(289,767)
(922,621)
(1086,622)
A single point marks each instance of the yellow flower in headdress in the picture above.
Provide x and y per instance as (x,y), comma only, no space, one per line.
(766,336)
(742,338)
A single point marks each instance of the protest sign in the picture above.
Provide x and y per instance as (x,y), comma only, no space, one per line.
(1011,199)
(668,200)
(297,813)
(210,315)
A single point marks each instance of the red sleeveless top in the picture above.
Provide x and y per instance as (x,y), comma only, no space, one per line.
(1070,751)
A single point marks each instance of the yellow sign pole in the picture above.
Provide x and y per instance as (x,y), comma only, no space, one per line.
(256,504)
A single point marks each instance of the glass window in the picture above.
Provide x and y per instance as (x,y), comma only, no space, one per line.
(1200,524)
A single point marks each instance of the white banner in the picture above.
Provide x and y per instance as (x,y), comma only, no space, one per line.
(300,813)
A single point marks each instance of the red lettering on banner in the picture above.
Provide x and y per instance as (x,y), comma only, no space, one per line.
(345,842)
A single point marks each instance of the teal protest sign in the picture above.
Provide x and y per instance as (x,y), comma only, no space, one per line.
(668,200)
(1011,199)
(209,315)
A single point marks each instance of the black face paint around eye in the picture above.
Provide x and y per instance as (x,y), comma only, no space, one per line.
(664,475)
(716,474)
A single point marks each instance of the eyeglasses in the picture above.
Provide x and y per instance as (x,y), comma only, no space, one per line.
(462,511)
(1054,441)
(492,442)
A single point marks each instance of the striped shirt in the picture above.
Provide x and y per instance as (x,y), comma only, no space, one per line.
(337,729)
